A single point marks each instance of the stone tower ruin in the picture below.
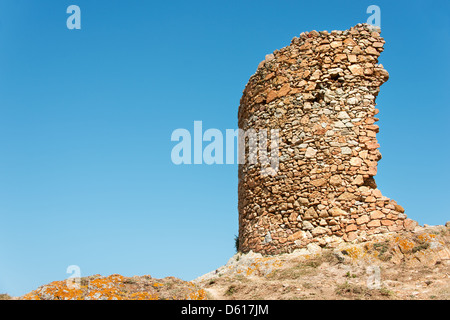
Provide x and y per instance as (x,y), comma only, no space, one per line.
(320,93)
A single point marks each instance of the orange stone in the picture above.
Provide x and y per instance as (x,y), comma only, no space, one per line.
(284,90)
(349,42)
(374,223)
(376,215)
(272,95)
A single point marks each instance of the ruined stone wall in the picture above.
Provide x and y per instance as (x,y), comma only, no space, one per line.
(320,93)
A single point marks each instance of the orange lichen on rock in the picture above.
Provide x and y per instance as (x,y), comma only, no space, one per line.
(263,266)
(196,293)
(59,290)
(144,296)
(357,253)
(117,287)
(106,288)
(404,244)
(428,238)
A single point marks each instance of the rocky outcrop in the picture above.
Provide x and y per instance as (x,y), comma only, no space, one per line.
(405,265)
(319,92)
(401,266)
(117,287)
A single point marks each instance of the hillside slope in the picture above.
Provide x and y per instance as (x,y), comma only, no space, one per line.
(408,265)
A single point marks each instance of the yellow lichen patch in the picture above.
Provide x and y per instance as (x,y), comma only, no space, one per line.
(56,290)
(197,295)
(107,288)
(426,237)
(117,287)
(404,244)
(144,296)
(253,267)
(368,252)
(263,266)
(355,252)
(31,296)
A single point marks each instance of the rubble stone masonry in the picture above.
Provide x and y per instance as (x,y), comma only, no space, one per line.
(320,93)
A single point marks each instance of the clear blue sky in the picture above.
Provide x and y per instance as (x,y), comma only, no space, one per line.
(86,117)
